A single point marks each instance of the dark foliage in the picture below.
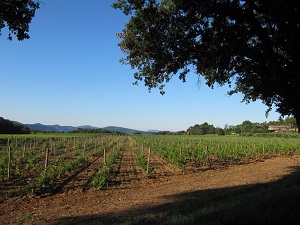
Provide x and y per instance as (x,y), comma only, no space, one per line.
(251,45)
(95,131)
(17,15)
(8,127)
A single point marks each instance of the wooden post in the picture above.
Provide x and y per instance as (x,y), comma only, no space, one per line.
(148,161)
(51,146)
(9,159)
(24,149)
(46,160)
(54,150)
(207,156)
(104,156)
(83,154)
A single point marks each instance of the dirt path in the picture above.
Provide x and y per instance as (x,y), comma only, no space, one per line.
(147,197)
(126,174)
(79,179)
(161,169)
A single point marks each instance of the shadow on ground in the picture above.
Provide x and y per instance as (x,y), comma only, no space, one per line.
(276,202)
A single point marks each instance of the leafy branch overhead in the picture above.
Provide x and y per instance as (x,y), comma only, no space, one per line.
(17,15)
(251,45)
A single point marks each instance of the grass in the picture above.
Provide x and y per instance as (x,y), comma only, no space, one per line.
(23,218)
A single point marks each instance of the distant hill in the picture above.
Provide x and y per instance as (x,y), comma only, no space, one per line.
(9,127)
(49,128)
(59,129)
(87,127)
(125,130)
(153,131)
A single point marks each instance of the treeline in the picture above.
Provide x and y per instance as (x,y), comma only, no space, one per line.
(289,121)
(96,131)
(8,127)
(247,127)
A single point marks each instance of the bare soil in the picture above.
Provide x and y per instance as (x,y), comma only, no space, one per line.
(131,194)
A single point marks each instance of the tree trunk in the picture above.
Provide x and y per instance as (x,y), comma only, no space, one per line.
(297,117)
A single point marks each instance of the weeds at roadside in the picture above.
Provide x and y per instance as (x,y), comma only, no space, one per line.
(24,218)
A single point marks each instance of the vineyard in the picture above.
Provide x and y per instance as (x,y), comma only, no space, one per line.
(47,164)
(215,151)
(37,163)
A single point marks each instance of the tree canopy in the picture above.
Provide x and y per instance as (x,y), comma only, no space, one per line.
(17,15)
(251,45)
(202,129)
(8,127)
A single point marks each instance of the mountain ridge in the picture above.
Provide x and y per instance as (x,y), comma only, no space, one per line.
(61,129)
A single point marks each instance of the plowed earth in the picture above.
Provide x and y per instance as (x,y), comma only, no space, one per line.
(131,194)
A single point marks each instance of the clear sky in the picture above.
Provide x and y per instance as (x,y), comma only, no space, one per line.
(68,73)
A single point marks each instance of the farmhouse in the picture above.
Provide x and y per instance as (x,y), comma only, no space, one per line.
(280,128)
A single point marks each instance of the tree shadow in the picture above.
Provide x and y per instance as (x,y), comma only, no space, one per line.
(276,202)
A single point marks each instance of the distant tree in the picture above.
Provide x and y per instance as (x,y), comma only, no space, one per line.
(17,15)
(164,133)
(290,121)
(229,129)
(251,45)
(237,130)
(259,128)
(246,126)
(202,129)
(280,120)
(95,131)
(219,131)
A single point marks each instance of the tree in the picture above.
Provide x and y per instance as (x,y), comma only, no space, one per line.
(8,127)
(290,121)
(246,126)
(202,129)
(17,15)
(251,45)
(219,131)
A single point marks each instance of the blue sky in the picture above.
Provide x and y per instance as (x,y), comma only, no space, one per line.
(68,73)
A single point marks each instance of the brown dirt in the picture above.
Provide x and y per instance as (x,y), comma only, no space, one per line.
(130,194)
